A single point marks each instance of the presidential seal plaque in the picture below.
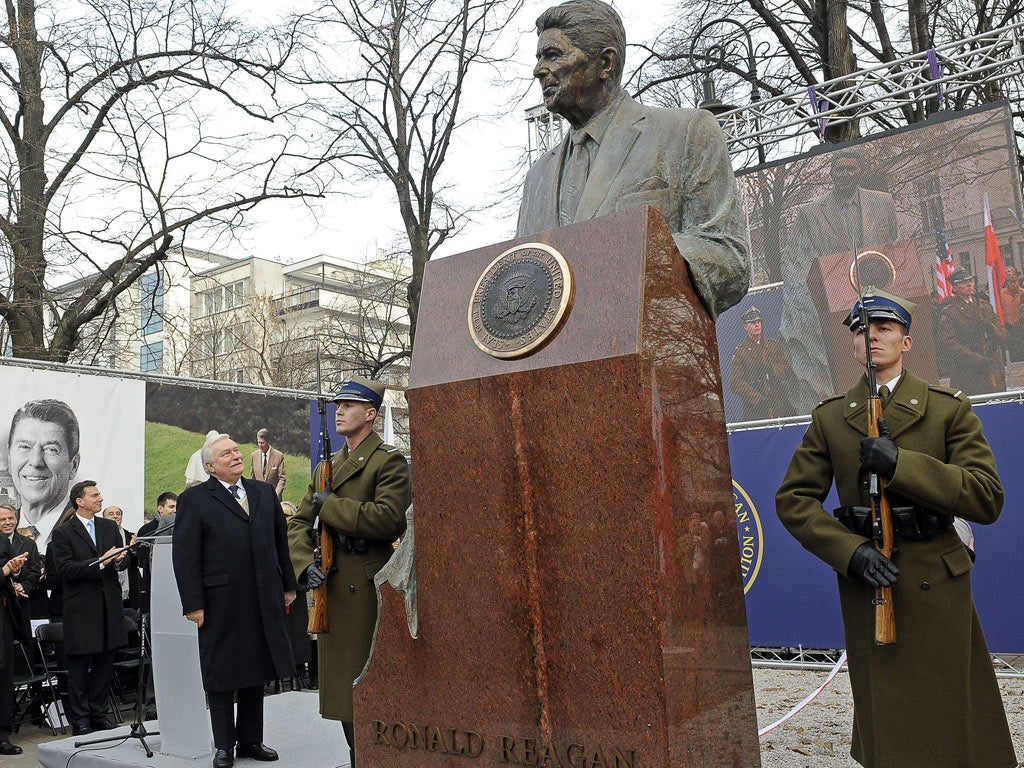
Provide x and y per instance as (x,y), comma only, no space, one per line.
(520,301)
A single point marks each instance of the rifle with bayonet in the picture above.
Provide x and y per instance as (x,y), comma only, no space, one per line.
(882,531)
(323,482)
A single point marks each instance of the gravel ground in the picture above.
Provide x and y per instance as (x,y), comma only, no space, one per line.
(819,735)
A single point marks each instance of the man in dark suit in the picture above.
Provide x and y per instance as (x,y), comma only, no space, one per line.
(161,525)
(93,618)
(26,579)
(620,154)
(12,620)
(267,463)
(235,579)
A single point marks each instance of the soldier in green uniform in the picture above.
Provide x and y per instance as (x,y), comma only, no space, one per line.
(971,339)
(366,510)
(760,374)
(931,698)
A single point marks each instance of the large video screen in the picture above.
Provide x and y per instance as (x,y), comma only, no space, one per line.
(930,213)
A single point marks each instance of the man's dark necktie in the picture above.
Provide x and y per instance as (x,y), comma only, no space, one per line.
(884,394)
(234,492)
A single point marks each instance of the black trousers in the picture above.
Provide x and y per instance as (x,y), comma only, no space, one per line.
(89,676)
(6,677)
(247,728)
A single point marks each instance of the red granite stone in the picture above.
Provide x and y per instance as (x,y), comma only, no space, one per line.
(579,596)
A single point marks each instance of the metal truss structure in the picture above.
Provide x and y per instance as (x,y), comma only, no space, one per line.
(788,124)
(791,123)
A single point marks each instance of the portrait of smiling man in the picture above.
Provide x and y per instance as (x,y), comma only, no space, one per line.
(43,455)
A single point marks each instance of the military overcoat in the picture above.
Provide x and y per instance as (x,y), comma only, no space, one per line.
(371,492)
(760,375)
(971,343)
(931,699)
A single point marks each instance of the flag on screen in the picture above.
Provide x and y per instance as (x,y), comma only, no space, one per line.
(995,264)
(944,265)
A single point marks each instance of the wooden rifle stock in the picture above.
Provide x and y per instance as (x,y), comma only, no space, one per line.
(319,623)
(881,516)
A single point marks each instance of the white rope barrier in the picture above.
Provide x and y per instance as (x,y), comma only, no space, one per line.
(831,676)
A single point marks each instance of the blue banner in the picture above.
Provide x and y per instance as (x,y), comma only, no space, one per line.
(792,598)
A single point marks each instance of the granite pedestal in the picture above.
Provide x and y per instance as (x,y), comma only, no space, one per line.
(579,595)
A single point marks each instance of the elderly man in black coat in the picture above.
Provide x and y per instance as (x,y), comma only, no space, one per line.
(93,618)
(235,579)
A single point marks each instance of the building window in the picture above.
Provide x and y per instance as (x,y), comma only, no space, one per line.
(224,297)
(151,357)
(152,305)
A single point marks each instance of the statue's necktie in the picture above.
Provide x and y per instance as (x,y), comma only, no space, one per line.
(574,176)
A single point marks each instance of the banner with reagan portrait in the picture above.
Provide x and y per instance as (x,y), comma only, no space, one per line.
(59,428)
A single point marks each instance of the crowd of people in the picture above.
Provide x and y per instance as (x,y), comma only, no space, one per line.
(241,560)
(70,562)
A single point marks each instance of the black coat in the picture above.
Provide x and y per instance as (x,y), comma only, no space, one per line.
(236,568)
(11,614)
(93,615)
(28,577)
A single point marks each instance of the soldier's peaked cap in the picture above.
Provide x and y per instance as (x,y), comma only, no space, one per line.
(359,389)
(881,306)
(752,315)
(961,275)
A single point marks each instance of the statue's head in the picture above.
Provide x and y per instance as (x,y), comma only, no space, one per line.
(581,52)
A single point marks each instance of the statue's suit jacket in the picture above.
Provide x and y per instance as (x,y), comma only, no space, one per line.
(674,160)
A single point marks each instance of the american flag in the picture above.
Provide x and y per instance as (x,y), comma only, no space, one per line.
(944,265)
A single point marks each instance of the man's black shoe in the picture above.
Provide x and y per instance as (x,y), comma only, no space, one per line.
(256,751)
(102,724)
(223,759)
(6,748)
(80,729)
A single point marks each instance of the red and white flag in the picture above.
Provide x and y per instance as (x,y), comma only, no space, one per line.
(995,264)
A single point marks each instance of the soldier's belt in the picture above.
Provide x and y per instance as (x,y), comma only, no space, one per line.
(910,523)
(353,545)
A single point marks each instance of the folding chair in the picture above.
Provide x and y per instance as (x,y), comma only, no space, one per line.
(35,693)
(50,645)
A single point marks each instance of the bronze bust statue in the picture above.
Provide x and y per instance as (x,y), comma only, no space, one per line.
(620,154)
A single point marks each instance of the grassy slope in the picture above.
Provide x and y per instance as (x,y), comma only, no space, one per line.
(167,452)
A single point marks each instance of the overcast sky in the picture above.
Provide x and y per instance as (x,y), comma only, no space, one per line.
(484,159)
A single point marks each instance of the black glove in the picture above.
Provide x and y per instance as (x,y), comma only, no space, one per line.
(318,500)
(872,566)
(314,577)
(879,454)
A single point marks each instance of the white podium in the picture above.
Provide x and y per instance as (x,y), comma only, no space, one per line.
(182,712)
